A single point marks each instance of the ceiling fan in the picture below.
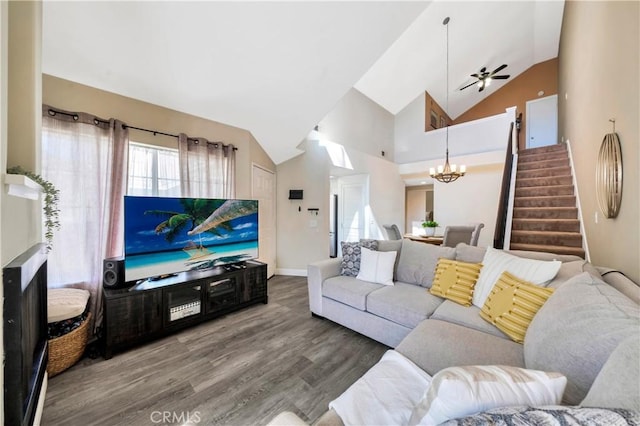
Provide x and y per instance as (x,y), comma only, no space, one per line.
(484,77)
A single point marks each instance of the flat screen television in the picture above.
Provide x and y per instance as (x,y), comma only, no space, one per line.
(167,235)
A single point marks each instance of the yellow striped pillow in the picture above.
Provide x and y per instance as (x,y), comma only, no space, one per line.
(512,305)
(454,280)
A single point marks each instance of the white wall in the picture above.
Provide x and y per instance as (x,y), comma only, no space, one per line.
(472,198)
(412,143)
(357,124)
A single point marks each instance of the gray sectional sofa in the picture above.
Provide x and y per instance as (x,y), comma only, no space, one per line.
(591,312)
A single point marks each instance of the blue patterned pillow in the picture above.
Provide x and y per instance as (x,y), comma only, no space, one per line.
(351,256)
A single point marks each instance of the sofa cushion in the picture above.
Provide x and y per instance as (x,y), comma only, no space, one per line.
(349,291)
(351,253)
(418,261)
(577,329)
(471,254)
(405,304)
(460,391)
(495,262)
(392,245)
(571,269)
(465,316)
(434,345)
(454,280)
(618,383)
(377,266)
(512,305)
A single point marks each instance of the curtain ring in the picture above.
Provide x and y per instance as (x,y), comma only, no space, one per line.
(95,121)
(51,112)
(75,117)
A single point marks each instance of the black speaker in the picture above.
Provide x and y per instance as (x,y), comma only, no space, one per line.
(113,273)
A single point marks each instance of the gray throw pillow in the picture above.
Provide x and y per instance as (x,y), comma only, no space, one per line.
(618,383)
(351,253)
(577,329)
(418,262)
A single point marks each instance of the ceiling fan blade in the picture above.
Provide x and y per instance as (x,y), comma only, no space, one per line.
(469,85)
(500,77)
(475,75)
(481,88)
(500,68)
(483,70)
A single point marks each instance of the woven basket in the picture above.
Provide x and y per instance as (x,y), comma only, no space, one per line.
(66,350)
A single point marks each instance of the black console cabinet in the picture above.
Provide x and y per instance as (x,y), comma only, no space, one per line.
(154,308)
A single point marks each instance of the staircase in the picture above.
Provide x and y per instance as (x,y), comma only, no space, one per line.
(545,216)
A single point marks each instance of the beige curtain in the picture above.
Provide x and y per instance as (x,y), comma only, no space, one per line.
(85,157)
(207,169)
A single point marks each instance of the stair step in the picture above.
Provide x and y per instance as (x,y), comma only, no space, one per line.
(577,251)
(546,212)
(542,191)
(543,156)
(544,172)
(564,225)
(548,148)
(556,162)
(547,201)
(544,181)
(553,238)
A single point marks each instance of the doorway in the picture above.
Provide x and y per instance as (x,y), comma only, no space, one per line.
(419,207)
(353,193)
(542,122)
(263,189)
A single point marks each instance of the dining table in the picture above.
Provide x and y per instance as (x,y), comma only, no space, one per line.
(435,240)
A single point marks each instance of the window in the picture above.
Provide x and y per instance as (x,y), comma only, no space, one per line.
(153,171)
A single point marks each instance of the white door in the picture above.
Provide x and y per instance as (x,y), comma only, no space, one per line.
(263,189)
(353,193)
(542,121)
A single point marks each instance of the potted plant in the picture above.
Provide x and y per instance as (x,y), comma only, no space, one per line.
(430,227)
(51,197)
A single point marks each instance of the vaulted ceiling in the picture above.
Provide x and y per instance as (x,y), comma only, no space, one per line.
(277,68)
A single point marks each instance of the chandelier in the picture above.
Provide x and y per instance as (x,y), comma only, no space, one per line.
(447,173)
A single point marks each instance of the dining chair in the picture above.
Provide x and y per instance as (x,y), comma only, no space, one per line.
(393,233)
(455,234)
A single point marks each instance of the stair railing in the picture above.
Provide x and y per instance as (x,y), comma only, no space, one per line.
(502,233)
(583,232)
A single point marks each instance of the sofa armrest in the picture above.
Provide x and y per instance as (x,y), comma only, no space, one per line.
(317,272)
(435,345)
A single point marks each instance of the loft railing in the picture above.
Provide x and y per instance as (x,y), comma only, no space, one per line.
(505,193)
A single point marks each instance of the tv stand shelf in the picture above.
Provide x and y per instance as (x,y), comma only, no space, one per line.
(154,308)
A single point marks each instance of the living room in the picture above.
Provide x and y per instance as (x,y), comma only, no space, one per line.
(588,98)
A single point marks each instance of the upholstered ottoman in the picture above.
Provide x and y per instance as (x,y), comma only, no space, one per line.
(68,320)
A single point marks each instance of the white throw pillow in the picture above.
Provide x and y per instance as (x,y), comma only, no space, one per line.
(377,266)
(461,391)
(495,262)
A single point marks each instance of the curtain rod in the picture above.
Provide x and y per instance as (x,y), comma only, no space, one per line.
(156,132)
(52,112)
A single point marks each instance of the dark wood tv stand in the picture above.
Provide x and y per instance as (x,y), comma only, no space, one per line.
(155,308)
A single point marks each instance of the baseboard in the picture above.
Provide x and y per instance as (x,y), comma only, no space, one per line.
(43,394)
(292,272)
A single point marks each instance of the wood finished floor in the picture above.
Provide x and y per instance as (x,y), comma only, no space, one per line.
(241,369)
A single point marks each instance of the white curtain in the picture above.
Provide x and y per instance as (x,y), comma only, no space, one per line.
(207,169)
(86,159)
